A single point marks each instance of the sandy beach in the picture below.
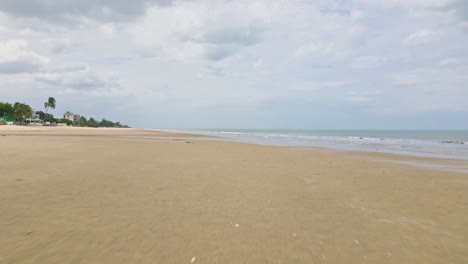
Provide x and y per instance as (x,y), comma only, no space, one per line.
(83,195)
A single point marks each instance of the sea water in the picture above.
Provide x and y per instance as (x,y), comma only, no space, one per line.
(425,143)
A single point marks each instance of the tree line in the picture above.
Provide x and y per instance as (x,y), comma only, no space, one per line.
(18,111)
(21,111)
(83,122)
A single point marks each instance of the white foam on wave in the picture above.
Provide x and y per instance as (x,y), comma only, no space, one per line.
(405,146)
(444,145)
(231,133)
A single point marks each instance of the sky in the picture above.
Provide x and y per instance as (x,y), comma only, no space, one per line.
(351,64)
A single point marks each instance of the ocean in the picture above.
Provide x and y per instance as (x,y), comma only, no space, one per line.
(424,143)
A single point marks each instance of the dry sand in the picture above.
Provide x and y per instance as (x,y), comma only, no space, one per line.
(133,196)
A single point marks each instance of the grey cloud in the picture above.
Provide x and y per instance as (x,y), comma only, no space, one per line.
(218,53)
(76,78)
(223,41)
(215,71)
(87,83)
(226,41)
(118,60)
(19,66)
(59,47)
(102,10)
(67,69)
(459,7)
(232,35)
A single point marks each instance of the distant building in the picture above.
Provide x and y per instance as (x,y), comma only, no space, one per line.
(34,119)
(72,117)
(69,115)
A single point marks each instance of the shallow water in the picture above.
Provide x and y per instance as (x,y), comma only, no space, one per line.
(423,143)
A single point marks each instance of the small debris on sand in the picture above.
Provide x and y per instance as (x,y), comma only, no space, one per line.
(193,259)
(355,241)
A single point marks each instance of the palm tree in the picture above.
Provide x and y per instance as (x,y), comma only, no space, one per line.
(49,104)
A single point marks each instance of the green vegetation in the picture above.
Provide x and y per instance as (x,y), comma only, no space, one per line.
(6,109)
(46,117)
(83,122)
(66,121)
(49,104)
(103,123)
(21,111)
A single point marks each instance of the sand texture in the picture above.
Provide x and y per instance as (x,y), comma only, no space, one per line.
(133,196)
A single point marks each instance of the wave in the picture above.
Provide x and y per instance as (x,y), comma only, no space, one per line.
(436,145)
(453,142)
(231,133)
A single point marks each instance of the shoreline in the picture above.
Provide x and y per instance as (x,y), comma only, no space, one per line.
(420,161)
(447,149)
(423,162)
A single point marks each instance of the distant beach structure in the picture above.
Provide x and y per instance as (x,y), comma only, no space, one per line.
(34,119)
(75,118)
(7,120)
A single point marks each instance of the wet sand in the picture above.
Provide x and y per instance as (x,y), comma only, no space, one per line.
(133,196)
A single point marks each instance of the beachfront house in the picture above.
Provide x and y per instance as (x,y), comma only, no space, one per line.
(72,117)
(33,120)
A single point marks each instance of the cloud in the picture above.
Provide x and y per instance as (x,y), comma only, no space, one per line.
(368,62)
(248,62)
(410,5)
(448,62)
(18,66)
(72,11)
(57,45)
(459,7)
(78,78)
(204,30)
(314,49)
(419,37)
(16,56)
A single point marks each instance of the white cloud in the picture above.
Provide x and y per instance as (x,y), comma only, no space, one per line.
(194,31)
(419,37)
(368,62)
(18,49)
(448,62)
(410,5)
(79,78)
(314,49)
(236,60)
(17,57)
